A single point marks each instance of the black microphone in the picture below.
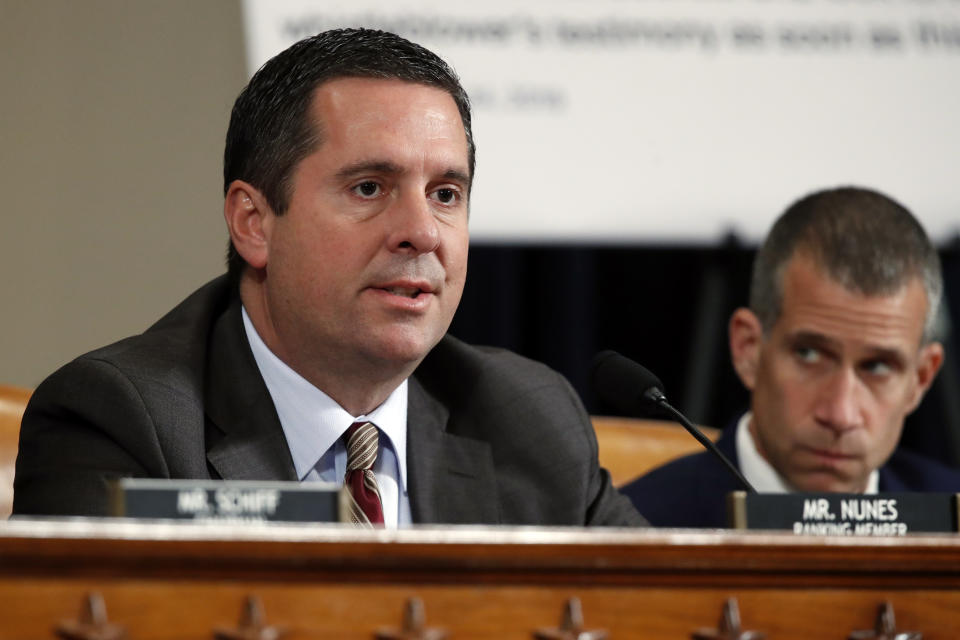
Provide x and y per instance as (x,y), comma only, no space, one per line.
(630,388)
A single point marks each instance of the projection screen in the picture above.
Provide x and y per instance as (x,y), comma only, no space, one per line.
(679,120)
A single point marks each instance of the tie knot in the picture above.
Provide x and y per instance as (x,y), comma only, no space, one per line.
(362,442)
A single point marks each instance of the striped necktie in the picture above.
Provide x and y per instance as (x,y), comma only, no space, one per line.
(365,508)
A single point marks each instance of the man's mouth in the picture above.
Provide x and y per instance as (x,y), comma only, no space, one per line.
(406,292)
(411,289)
(832,455)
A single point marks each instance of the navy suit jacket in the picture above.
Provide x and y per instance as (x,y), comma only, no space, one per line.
(692,491)
(491,437)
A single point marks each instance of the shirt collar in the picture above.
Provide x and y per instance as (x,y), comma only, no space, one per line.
(761,473)
(312,421)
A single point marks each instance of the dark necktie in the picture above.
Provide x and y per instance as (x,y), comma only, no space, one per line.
(365,508)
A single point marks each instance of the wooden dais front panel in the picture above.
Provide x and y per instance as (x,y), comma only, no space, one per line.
(165,581)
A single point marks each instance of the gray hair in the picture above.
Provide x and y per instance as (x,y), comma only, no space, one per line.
(862,239)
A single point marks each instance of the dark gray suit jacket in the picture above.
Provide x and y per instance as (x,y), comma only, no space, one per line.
(492,437)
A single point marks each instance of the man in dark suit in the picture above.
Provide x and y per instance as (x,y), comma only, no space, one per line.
(347,174)
(836,349)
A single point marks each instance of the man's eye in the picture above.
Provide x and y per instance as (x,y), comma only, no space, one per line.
(367,189)
(808,355)
(446,195)
(877,368)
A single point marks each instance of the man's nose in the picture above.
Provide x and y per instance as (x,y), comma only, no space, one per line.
(838,402)
(413,225)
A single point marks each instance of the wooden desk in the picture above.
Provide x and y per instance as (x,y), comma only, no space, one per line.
(181,581)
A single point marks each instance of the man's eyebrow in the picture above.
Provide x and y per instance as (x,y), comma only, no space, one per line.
(390,168)
(457,175)
(369,166)
(812,337)
(876,352)
(888,354)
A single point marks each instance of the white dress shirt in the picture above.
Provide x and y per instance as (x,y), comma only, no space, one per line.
(761,474)
(314,424)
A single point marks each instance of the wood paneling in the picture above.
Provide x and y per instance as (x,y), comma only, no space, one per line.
(328,582)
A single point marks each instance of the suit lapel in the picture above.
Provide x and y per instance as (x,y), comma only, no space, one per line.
(244,438)
(452,478)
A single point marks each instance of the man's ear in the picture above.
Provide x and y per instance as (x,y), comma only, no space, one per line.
(928,364)
(746,338)
(249,220)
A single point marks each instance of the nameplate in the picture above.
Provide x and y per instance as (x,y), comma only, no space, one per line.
(845,514)
(226,500)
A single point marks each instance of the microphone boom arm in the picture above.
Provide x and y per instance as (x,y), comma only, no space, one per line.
(657,397)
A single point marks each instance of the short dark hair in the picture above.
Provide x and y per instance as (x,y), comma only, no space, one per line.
(862,239)
(270,129)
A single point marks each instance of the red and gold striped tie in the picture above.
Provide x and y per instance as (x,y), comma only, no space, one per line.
(365,508)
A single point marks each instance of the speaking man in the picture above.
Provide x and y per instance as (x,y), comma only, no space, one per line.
(323,354)
(836,349)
